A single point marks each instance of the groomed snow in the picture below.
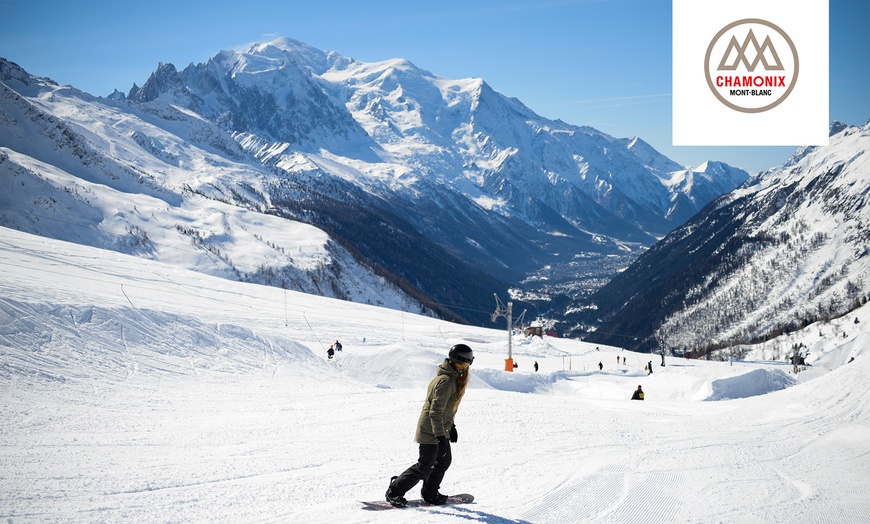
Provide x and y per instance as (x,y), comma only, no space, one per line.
(132,391)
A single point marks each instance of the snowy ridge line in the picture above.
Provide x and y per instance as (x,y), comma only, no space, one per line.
(252,245)
(181,290)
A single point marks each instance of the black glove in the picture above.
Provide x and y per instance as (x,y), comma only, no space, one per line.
(454,436)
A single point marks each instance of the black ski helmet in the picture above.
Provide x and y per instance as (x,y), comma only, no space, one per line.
(461,353)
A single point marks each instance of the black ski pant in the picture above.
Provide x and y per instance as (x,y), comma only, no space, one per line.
(430,468)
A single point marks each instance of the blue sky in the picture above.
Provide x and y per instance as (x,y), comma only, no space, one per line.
(602,63)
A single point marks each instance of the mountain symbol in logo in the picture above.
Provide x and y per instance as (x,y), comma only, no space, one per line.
(740,55)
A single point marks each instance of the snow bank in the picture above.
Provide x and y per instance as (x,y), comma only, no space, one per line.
(757,382)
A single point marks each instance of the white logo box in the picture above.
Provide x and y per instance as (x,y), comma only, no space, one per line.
(750,72)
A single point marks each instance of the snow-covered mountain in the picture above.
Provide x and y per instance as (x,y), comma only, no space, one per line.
(77,169)
(442,190)
(395,128)
(788,248)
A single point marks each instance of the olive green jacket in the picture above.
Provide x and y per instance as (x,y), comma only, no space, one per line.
(436,419)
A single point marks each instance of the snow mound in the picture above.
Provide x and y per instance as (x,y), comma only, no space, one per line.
(752,384)
(515,382)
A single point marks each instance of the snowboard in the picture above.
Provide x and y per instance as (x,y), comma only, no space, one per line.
(380,505)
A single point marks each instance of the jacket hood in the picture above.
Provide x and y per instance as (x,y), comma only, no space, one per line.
(446,368)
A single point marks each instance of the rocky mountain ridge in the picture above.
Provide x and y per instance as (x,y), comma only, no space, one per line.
(790,247)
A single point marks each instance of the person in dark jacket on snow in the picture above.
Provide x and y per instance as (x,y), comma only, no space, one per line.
(638,394)
(435,430)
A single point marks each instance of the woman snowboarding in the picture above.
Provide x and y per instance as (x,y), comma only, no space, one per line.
(435,430)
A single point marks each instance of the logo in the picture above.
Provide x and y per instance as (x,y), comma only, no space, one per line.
(751,65)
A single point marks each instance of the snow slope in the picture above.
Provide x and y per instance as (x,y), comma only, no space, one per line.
(134,391)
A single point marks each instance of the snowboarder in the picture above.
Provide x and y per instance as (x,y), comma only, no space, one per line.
(638,393)
(435,430)
(330,353)
(536,366)
(600,366)
(337,346)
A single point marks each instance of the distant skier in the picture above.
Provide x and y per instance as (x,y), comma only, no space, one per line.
(330,353)
(337,346)
(638,393)
(536,366)
(435,430)
(649,367)
(600,366)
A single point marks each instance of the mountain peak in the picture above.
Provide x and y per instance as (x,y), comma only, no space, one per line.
(287,44)
(836,127)
(657,163)
(163,80)
(287,48)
